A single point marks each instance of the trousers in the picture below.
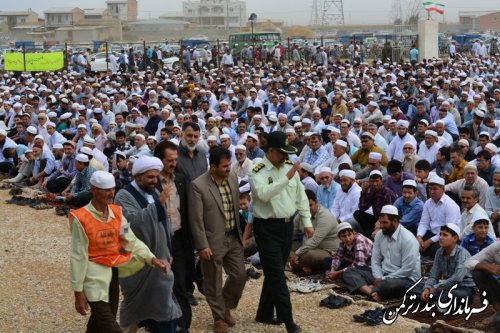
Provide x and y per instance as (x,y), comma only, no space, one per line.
(274,240)
(103,315)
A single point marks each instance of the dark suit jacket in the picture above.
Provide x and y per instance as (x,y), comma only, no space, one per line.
(182,190)
(206,212)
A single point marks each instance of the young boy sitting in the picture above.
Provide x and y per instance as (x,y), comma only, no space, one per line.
(448,269)
(479,238)
(249,245)
(422,170)
(355,250)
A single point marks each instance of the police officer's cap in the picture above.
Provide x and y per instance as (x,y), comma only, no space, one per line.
(279,141)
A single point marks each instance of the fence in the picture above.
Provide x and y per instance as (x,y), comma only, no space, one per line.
(394,48)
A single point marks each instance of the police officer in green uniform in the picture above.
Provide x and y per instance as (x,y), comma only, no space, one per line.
(277,195)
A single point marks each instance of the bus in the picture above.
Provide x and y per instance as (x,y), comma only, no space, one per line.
(268,38)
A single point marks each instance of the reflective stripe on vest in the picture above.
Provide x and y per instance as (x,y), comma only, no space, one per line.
(104,237)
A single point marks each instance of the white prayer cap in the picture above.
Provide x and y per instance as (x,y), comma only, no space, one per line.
(103,180)
(52,114)
(38,136)
(289,130)
(410,182)
(343,226)
(140,136)
(390,210)
(431,133)
(347,173)
(341,143)
(57,146)
(480,217)
(325,169)
(316,112)
(3,132)
(409,143)
(97,110)
(463,142)
(297,124)
(470,166)
(307,121)
(66,115)
(296,118)
(51,124)
(282,115)
(435,179)
(82,158)
(82,126)
(87,151)
(174,141)
(375,173)
(480,134)
(367,134)
(89,140)
(146,163)
(31,130)
(273,118)
(253,136)
(403,123)
(240,147)
(386,117)
(211,138)
(374,104)
(306,166)
(452,226)
(479,113)
(225,136)
(492,147)
(375,156)
(333,129)
(424,121)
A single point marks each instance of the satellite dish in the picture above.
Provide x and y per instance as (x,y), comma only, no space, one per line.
(253,17)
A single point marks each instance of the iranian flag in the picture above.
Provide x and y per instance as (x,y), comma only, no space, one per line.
(434,7)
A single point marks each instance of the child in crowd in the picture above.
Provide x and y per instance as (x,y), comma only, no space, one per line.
(479,238)
(448,270)
(355,250)
(422,170)
(249,245)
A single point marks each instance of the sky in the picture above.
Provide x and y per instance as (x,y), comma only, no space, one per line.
(292,12)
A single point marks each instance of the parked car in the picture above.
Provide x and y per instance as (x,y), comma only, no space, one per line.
(172,63)
(98,61)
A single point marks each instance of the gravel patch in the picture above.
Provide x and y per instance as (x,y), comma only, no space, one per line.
(36,296)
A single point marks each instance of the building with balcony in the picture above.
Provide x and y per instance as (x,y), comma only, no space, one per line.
(124,10)
(216,13)
(63,17)
(12,19)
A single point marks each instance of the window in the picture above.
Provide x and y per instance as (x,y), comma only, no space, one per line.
(59,18)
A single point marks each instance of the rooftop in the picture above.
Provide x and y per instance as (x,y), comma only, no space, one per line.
(57,10)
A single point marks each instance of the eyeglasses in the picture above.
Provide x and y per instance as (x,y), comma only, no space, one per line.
(407,148)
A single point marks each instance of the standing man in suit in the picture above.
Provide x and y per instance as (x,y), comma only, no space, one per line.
(217,236)
(176,207)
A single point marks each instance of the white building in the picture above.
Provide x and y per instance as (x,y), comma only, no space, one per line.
(124,10)
(220,13)
(63,17)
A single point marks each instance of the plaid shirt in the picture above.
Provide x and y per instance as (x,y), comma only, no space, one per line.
(227,202)
(359,252)
(376,200)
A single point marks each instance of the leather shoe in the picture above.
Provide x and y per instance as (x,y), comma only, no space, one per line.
(220,326)
(228,317)
(293,328)
(272,321)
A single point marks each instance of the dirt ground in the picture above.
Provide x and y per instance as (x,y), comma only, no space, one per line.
(35,292)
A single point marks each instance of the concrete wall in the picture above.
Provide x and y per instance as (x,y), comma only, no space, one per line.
(428,46)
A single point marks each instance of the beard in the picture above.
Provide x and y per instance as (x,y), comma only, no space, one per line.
(149,189)
(190,147)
